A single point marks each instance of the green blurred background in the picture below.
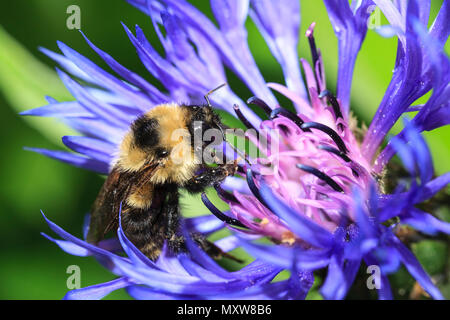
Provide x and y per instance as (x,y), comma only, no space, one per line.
(32,267)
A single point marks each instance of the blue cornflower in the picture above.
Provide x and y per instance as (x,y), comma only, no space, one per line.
(325,203)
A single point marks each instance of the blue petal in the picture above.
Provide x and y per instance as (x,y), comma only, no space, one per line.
(105,257)
(98,291)
(228,243)
(106,79)
(416,270)
(414,73)
(162,69)
(350,28)
(69,66)
(179,284)
(135,255)
(75,160)
(203,258)
(300,225)
(96,127)
(335,286)
(425,222)
(395,204)
(60,109)
(230,15)
(154,94)
(257,269)
(69,247)
(282,38)
(204,224)
(104,111)
(93,148)
(441,28)
(284,256)
(146,293)
(234,51)
(299,284)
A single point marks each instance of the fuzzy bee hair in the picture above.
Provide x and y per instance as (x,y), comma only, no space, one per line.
(155,159)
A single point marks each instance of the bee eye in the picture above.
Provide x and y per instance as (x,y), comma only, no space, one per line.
(162,153)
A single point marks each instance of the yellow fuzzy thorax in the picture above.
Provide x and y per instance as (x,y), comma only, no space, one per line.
(174,136)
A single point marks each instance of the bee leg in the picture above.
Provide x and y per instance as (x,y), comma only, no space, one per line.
(172,213)
(210,248)
(210,176)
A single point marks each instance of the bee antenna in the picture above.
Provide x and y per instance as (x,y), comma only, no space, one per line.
(212,91)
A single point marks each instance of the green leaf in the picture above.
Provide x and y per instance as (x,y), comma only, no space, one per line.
(431,254)
(25,81)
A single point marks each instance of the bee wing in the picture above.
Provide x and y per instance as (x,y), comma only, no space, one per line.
(113,195)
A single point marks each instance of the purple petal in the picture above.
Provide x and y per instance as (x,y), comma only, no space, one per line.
(104,111)
(75,160)
(69,66)
(425,222)
(203,259)
(300,225)
(69,247)
(135,255)
(154,94)
(350,28)
(60,109)
(441,28)
(283,256)
(234,52)
(282,38)
(96,127)
(93,148)
(98,291)
(334,287)
(106,79)
(414,74)
(204,224)
(146,293)
(299,285)
(416,270)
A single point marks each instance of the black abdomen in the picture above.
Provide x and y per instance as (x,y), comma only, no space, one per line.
(148,229)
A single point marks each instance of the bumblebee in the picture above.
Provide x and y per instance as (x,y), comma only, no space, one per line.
(155,159)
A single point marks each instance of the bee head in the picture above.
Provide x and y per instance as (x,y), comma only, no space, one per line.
(147,136)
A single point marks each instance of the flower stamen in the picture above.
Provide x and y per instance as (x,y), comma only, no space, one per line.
(253,188)
(260,103)
(219,214)
(229,197)
(333,134)
(339,153)
(334,103)
(312,44)
(241,117)
(291,116)
(322,176)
